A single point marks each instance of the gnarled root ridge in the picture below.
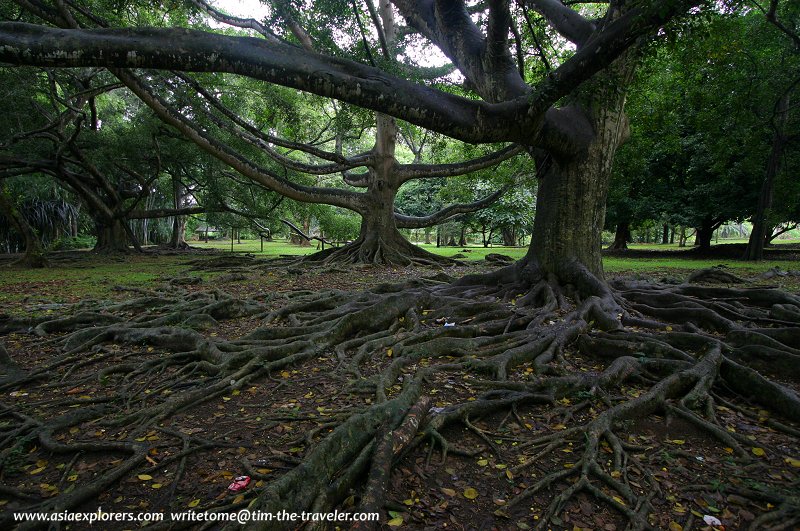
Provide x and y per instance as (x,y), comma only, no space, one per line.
(389,250)
(568,401)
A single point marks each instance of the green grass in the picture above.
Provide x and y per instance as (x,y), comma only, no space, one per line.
(617,264)
(675,247)
(93,277)
(277,248)
(271,249)
(96,276)
(611,263)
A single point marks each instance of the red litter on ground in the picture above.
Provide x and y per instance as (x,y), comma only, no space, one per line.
(239,483)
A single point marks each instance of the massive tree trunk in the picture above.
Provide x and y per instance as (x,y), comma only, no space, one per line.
(621,237)
(574,175)
(34,253)
(571,202)
(111,237)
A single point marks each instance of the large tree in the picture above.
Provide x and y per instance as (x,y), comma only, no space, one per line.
(572,143)
(686,347)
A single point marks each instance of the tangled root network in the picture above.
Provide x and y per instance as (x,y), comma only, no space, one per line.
(582,397)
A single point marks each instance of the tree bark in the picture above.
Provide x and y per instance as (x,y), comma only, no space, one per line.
(508,237)
(704,234)
(571,203)
(621,237)
(178,238)
(111,237)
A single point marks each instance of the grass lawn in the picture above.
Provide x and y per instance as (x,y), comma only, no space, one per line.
(612,264)
(97,276)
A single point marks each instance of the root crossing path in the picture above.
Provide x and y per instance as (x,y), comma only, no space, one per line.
(502,401)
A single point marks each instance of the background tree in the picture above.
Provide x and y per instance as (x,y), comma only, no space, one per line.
(682,165)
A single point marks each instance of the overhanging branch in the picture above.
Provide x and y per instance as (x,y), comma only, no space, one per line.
(414,222)
(408,172)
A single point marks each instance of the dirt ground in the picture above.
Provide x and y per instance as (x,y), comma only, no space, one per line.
(266,428)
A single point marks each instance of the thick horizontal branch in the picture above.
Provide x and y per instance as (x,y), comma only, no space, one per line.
(413,222)
(602,48)
(424,171)
(515,120)
(461,118)
(357,180)
(566,21)
(169,212)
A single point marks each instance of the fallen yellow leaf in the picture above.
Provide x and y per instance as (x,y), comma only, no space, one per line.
(470,493)
(758,451)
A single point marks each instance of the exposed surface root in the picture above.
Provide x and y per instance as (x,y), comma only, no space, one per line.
(554,382)
(391,250)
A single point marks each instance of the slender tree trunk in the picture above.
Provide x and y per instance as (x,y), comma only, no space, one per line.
(508,237)
(34,253)
(73,222)
(621,237)
(462,240)
(755,246)
(705,232)
(178,238)
(665,234)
